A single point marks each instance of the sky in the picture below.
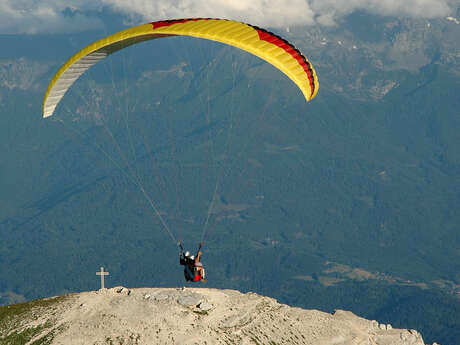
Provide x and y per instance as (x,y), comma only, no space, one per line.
(53,16)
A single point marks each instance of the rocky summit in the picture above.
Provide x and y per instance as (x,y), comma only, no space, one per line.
(186,316)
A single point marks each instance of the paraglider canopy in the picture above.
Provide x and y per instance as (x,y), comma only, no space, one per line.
(264,44)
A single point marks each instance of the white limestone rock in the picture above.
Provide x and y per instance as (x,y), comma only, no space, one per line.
(201,316)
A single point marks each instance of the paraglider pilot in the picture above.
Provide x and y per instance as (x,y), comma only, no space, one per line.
(193,268)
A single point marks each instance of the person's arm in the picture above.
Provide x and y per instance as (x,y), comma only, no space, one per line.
(198,256)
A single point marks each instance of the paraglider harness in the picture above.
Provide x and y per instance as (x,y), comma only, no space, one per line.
(188,261)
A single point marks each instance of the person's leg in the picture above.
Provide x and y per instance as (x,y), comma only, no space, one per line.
(188,272)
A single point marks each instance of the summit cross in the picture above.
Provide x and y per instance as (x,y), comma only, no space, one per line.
(102,274)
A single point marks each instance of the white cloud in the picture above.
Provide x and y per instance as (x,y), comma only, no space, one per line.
(34,16)
(278,13)
(416,8)
(274,13)
(31,16)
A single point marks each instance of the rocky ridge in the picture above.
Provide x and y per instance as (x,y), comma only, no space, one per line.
(187,316)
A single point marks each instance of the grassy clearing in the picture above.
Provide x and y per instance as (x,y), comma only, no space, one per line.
(14,318)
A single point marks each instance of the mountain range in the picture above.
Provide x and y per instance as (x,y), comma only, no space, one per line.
(347,202)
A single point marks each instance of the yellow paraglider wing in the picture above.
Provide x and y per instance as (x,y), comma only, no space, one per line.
(259,42)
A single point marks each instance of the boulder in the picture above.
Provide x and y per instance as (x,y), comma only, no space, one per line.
(190,299)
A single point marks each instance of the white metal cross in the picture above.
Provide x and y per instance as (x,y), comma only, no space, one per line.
(102,274)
